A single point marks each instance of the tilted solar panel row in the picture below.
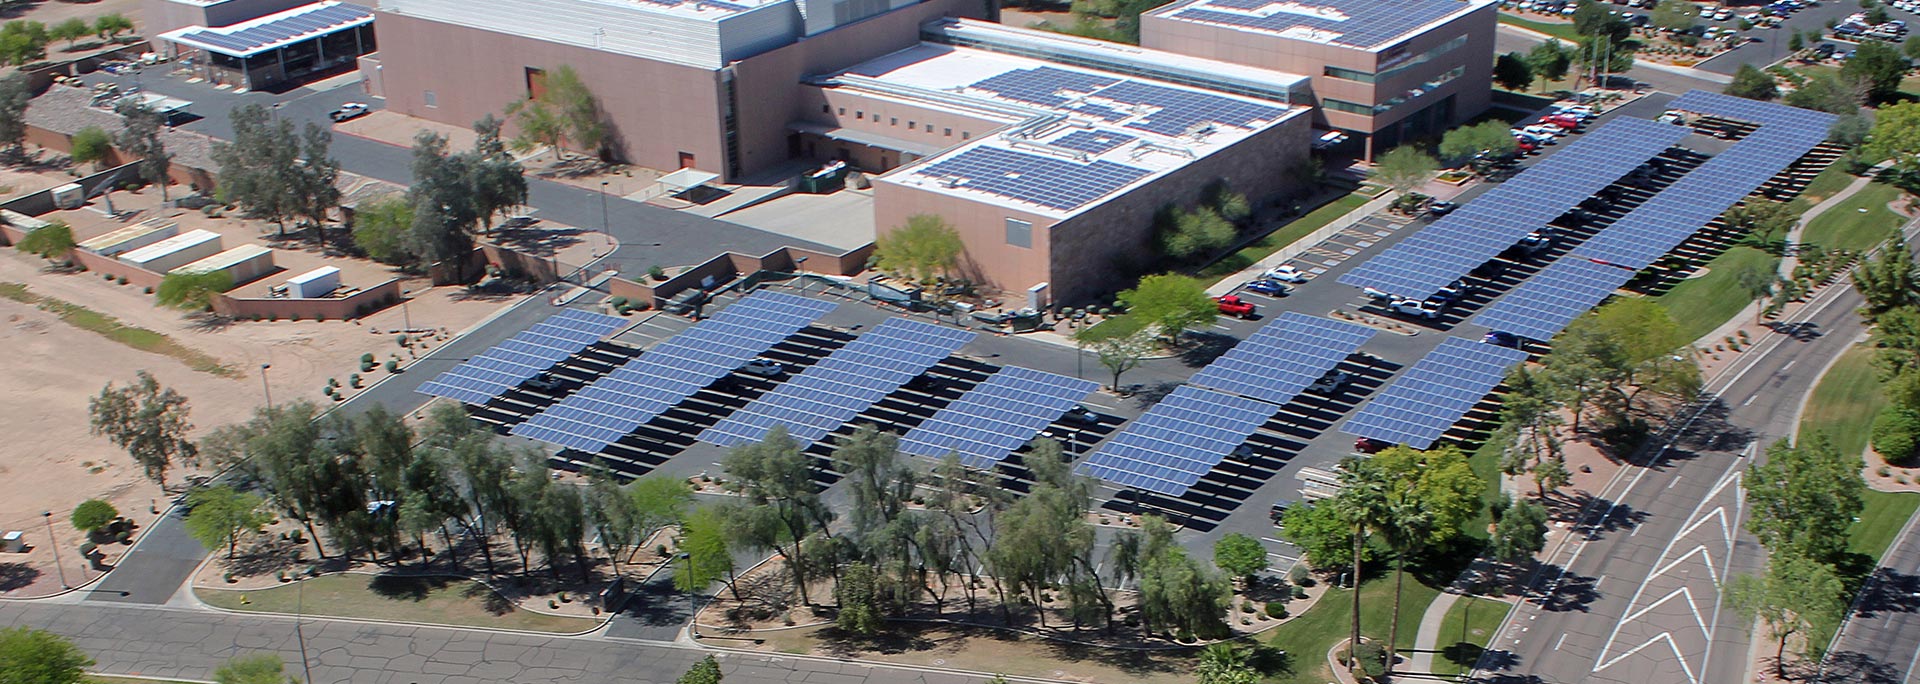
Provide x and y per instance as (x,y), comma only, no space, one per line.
(504,366)
(1434,394)
(1178,441)
(1546,303)
(828,394)
(1442,252)
(1283,357)
(662,377)
(997,417)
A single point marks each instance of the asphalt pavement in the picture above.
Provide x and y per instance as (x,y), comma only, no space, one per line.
(1880,644)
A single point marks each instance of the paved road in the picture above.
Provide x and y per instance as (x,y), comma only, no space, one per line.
(1880,644)
(1639,599)
(155,567)
(163,642)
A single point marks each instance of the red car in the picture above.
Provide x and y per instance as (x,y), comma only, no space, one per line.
(1524,145)
(1561,120)
(1233,305)
(1369,446)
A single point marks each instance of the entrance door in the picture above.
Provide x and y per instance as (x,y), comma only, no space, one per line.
(686,160)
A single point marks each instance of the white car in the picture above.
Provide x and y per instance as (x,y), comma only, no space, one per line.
(1331,382)
(1723,15)
(1415,307)
(1285,273)
(1545,129)
(1578,111)
(347,111)
(1537,138)
(764,368)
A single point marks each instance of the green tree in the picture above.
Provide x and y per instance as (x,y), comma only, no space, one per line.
(567,112)
(922,249)
(1910,49)
(51,241)
(192,290)
(783,508)
(1765,223)
(23,42)
(33,656)
(704,671)
(444,215)
(1804,497)
(1896,135)
(259,668)
(1896,433)
(1880,66)
(1550,474)
(1189,233)
(1520,532)
(74,28)
(1240,556)
(657,501)
(1176,591)
(315,180)
(259,168)
(1829,92)
(111,25)
(1550,61)
(1323,536)
(1612,356)
(218,516)
(1512,71)
(498,181)
(90,146)
(1797,595)
(1758,281)
(1119,353)
(1171,301)
(1675,15)
(1429,497)
(1888,281)
(1225,663)
(381,226)
(1748,82)
(1404,168)
(147,420)
(1796,42)
(140,137)
(1594,20)
(93,514)
(858,594)
(15,94)
(1491,138)
(705,554)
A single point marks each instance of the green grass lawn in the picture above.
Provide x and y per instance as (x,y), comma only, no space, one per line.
(1308,638)
(1909,85)
(1701,304)
(1562,30)
(1831,180)
(1880,519)
(1845,401)
(1286,235)
(1465,631)
(1486,464)
(436,600)
(1858,222)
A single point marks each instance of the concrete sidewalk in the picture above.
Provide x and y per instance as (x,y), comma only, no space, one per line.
(1426,641)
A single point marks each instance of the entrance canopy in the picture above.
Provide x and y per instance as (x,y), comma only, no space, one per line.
(686,179)
(274,31)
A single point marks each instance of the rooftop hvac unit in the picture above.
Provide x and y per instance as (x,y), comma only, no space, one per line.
(69,196)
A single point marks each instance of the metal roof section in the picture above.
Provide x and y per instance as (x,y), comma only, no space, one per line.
(1172,67)
(1360,24)
(274,31)
(700,33)
(1087,134)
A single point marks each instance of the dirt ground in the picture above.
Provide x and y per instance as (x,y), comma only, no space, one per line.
(52,463)
(51,12)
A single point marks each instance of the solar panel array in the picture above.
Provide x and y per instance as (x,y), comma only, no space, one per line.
(1283,357)
(1178,110)
(1046,181)
(1092,142)
(650,384)
(1178,441)
(526,354)
(1048,86)
(1428,260)
(1430,397)
(997,417)
(1357,23)
(1543,306)
(833,391)
(273,33)
(1664,222)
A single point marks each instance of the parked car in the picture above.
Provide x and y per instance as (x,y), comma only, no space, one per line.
(1442,208)
(1549,130)
(1579,111)
(1414,307)
(1502,339)
(1525,145)
(544,382)
(1331,382)
(347,111)
(1536,241)
(1561,120)
(1367,445)
(1081,414)
(1285,273)
(1233,305)
(765,368)
(1269,287)
(1537,138)
(1279,510)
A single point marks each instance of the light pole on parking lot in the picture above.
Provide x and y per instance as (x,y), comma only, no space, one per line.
(55,545)
(265,389)
(606,223)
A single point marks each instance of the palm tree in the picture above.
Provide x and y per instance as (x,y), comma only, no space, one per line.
(1406,532)
(1362,503)
(1223,663)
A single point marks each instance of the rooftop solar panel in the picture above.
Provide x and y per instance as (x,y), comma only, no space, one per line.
(1283,357)
(278,32)
(1036,179)
(526,354)
(1430,397)
(1092,142)
(1442,252)
(997,417)
(829,393)
(1356,23)
(1178,441)
(1669,218)
(648,385)
(1543,306)
(1754,111)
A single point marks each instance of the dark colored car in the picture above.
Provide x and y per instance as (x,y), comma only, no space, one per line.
(1503,339)
(1369,446)
(1442,208)
(1273,288)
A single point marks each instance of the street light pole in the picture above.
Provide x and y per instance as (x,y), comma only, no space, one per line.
(55,544)
(265,389)
(606,222)
(299,633)
(406,316)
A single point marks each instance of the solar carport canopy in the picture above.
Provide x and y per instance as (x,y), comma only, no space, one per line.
(273,31)
(1429,260)
(1433,395)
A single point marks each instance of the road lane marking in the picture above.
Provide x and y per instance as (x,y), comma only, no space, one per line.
(1559,641)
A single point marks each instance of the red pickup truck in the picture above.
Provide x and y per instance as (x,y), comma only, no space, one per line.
(1233,305)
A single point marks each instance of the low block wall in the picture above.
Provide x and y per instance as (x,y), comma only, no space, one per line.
(731,264)
(99,264)
(354,306)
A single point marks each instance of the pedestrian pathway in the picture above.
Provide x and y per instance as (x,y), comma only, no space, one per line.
(1426,641)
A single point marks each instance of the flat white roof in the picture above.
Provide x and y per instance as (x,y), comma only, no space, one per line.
(1088,135)
(227,259)
(170,245)
(274,31)
(1360,24)
(314,274)
(127,233)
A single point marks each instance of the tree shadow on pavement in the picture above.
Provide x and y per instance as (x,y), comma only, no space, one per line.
(1846,667)
(1890,590)
(1572,593)
(17,576)
(1201,348)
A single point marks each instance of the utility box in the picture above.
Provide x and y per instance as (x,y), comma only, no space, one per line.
(13,542)
(174,252)
(245,263)
(314,284)
(131,237)
(69,196)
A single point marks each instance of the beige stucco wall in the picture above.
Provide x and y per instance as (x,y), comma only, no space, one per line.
(982,226)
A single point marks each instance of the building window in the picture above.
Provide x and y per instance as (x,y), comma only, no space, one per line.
(1345,106)
(843,111)
(430,100)
(893,121)
(913,126)
(826,109)
(1349,74)
(1019,233)
(949,132)
(965,135)
(859,115)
